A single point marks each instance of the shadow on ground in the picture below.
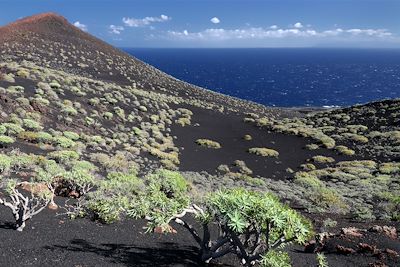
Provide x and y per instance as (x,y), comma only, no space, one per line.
(167,254)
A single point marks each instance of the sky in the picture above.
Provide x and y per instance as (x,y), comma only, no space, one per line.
(225,23)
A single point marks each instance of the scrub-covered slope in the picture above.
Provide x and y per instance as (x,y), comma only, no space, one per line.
(78,110)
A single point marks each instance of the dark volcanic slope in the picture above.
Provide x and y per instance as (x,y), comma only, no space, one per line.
(49,39)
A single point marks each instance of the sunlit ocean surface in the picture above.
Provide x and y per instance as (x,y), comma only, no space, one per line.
(285,77)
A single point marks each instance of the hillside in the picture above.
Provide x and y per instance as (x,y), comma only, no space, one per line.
(70,103)
(50,40)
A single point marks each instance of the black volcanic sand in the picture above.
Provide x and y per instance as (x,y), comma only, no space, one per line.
(228,129)
(51,240)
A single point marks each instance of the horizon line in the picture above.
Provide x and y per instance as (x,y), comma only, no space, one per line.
(261,47)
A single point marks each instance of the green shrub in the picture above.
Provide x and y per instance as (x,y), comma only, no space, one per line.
(63,142)
(32,125)
(6,140)
(323,159)
(389,167)
(369,164)
(356,138)
(208,143)
(137,131)
(243,167)
(247,137)
(168,181)
(16,89)
(8,78)
(322,260)
(70,111)
(44,137)
(108,115)
(12,128)
(264,152)
(71,135)
(24,102)
(120,112)
(63,156)
(3,129)
(363,214)
(308,167)
(345,150)
(97,139)
(275,259)
(115,195)
(183,121)
(81,177)
(312,146)
(321,196)
(5,163)
(28,136)
(94,101)
(89,121)
(55,85)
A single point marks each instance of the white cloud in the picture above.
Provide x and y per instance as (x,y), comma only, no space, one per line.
(81,26)
(274,27)
(298,25)
(370,32)
(115,29)
(215,20)
(133,22)
(219,34)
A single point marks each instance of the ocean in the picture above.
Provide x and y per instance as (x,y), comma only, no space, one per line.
(285,77)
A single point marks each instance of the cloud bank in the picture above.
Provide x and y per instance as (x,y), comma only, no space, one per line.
(273,32)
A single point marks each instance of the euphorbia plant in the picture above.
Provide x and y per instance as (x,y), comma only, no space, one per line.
(252,225)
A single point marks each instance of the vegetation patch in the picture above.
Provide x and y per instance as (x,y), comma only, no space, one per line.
(208,143)
(264,152)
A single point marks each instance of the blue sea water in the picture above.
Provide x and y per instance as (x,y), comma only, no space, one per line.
(285,77)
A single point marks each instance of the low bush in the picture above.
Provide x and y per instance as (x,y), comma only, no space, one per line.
(208,143)
(63,156)
(323,197)
(63,142)
(312,146)
(5,163)
(71,135)
(345,150)
(389,167)
(323,159)
(247,137)
(264,152)
(32,125)
(12,128)
(183,121)
(6,140)
(29,136)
